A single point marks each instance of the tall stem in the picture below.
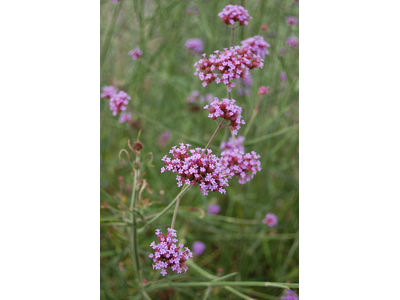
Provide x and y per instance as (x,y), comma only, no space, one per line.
(175,213)
(233,31)
(253,116)
(215,133)
(133,237)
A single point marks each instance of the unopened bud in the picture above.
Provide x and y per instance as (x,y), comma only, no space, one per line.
(263,90)
(137,145)
(264,27)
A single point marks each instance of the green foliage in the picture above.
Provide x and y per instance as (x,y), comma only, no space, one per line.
(159,83)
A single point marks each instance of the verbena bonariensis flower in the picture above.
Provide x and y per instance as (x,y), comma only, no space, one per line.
(214,209)
(283,77)
(196,46)
(229,145)
(118,102)
(258,45)
(264,27)
(200,167)
(135,53)
(232,13)
(270,219)
(164,138)
(292,21)
(198,248)
(244,166)
(195,97)
(124,117)
(108,91)
(263,90)
(246,81)
(227,110)
(168,254)
(292,41)
(290,295)
(232,63)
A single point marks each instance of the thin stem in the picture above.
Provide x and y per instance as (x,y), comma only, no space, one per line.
(165,210)
(225,283)
(133,237)
(233,31)
(175,212)
(253,116)
(215,133)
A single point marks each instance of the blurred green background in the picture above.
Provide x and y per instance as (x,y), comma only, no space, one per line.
(159,83)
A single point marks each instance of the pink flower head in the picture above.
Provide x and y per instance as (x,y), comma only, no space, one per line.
(264,27)
(229,145)
(290,295)
(244,166)
(164,138)
(263,90)
(258,45)
(292,42)
(270,219)
(232,63)
(227,110)
(283,77)
(232,13)
(197,166)
(124,117)
(195,46)
(114,1)
(198,248)
(168,254)
(291,21)
(118,102)
(135,53)
(108,91)
(214,209)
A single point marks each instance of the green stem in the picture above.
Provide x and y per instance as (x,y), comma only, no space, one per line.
(232,34)
(133,237)
(253,116)
(225,283)
(165,210)
(109,35)
(215,133)
(175,212)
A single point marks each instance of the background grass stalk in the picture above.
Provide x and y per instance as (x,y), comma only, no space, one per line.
(253,116)
(134,241)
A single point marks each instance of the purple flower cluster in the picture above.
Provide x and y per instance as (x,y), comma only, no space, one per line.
(244,166)
(270,219)
(228,110)
(292,41)
(124,117)
(195,97)
(232,63)
(246,80)
(257,44)
(164,138)
(118,102)
(168,254)
(289,294)
(283,77)
(232,13)
(292,21)
(108,91)
(229,145)
(198,248)
(135,53)
(195,46)
(214,209)
(199,168)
